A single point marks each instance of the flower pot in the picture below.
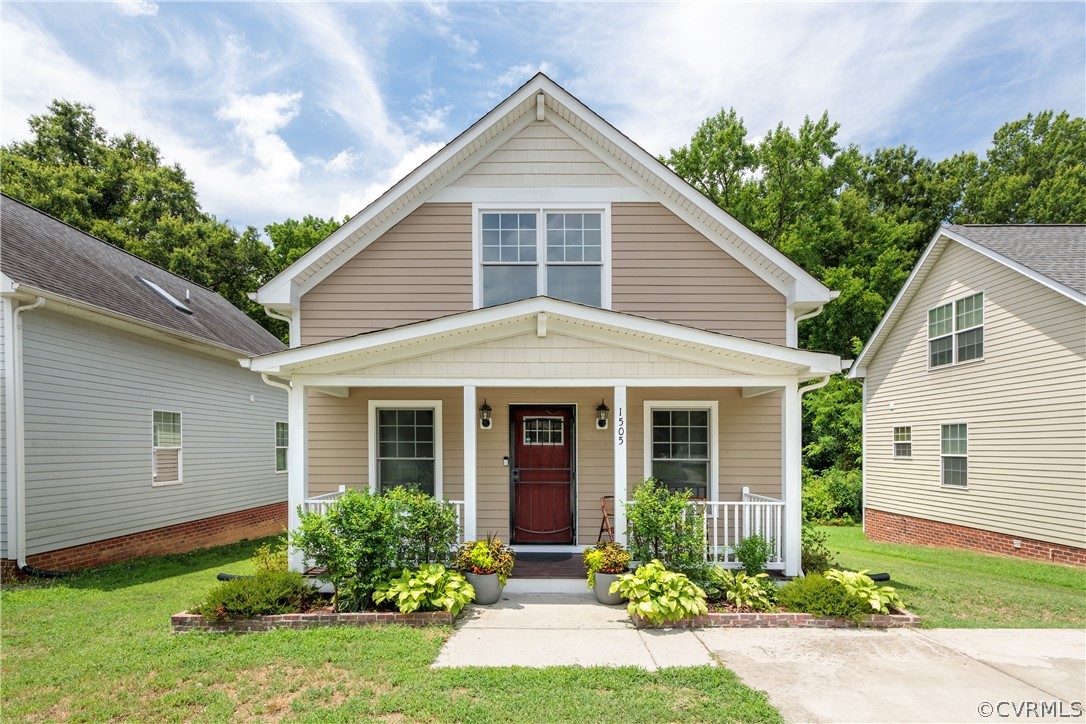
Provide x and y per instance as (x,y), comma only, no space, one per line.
(487,587)
(602,589)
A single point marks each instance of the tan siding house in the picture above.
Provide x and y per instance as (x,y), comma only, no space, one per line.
(975,397)
(539,317)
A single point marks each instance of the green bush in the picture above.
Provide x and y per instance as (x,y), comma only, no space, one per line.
(430,588)
(833,496)
(269,557)
(485,557)
(820,596)
(815,556)
(753,552)
(860,585)
(605,557)
(265,594)
(659,595)
(362,537)
(663,527)
(755,592)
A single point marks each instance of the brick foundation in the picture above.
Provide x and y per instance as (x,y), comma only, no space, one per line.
(186,622)
(896,619)
(895,528)
(218,530)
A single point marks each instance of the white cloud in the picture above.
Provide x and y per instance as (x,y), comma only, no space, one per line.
(256,119)
(343,162)
(136,7)
(520,74)
(351,202)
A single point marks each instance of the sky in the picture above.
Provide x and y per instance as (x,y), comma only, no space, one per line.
(279,110)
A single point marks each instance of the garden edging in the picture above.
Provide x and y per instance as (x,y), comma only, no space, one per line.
(185,622)
(897,619)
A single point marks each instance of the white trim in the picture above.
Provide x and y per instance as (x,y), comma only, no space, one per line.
(713,407)
(863,453)
(621,438)
(179,448)
(471,502)
(543,195)
(297,462)
(371,424)
(562,430)
(276,447)
(942,455)
(894,443)
(791,469)
(954,332)
(548,382)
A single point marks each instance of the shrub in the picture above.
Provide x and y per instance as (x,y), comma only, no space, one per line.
(269,557)
(663,527)
(815,556)
(659,595)
(753,552)
(486,557)
(832,496)
(430,588)
(267,593)
(605,557)
(362,536)
(860,585)
(820,596)
(755,592)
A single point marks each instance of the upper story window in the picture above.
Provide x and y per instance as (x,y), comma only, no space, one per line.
(556,253)
(956,331)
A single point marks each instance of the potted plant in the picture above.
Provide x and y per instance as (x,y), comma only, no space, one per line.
(486,564)
(605,563)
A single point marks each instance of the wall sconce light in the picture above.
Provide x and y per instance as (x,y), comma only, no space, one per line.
(484,416)
(601,415)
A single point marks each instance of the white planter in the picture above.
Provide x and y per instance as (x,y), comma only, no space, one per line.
(602,589)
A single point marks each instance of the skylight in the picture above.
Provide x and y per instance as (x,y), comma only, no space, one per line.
(174,301)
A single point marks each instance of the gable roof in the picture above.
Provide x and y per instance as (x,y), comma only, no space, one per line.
(585,126)
(1053,255)
(43,254)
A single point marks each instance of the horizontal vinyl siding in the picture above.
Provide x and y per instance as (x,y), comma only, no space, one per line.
(419,269)
(1025,404)
(89,393)
(540,155)
(665,269)
(3,438)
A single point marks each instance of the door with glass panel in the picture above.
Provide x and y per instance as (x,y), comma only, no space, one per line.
(542,474)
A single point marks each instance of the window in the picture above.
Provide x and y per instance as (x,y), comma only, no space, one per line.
(680,449)
(565,262)
(165,447)
(282,441)
(903,442)
(544,431)
(956,331)
(406,449)
(954,443)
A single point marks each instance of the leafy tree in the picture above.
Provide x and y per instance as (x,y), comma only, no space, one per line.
(718,160)
(290,239)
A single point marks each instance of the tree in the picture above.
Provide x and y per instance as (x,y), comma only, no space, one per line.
(717,161)
(290,239)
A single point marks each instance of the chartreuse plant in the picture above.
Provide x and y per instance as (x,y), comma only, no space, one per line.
(265,594)
(485,557)
(818,595)
(659,595)
(860,585)
(431,588)
(605,557)
(742,591)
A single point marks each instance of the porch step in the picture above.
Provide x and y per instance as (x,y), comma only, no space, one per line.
(545,585)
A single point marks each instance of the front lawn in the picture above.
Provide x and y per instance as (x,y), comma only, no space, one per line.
(98,646)
(958,589)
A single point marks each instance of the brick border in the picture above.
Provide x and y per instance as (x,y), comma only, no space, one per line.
(186,622)
(897,619)
(217,530)
(905,529)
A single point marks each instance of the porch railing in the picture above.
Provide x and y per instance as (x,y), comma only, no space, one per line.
(320,503)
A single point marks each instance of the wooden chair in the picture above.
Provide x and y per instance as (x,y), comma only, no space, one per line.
(605,523)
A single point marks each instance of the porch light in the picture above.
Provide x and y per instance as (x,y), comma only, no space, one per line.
(484,415)
(601,415)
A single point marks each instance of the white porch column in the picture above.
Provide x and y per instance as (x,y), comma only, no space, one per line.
(471,425)
(620,423)
(792,447)
(297,462)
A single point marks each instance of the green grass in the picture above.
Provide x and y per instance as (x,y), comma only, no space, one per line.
(958,589)
(98,646)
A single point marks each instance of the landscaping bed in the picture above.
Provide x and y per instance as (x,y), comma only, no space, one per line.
(185,622)
(896,619)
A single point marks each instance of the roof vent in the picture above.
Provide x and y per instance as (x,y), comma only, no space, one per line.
(174,301)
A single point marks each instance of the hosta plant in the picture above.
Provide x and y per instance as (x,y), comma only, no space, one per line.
(605,557)
(659,595)
(430,588)
(741,590)
(860,585)
(485,557)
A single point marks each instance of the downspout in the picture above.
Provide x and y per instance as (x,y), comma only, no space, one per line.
(290,325)
(269,381)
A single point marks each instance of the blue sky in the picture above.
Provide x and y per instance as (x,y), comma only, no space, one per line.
(284,109)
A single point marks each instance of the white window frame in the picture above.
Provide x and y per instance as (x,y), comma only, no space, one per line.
(894,441)
(541,210)
(524,431)
(714,436)
(374,406)
(942,455)
(277,447)
(954,332)
(179,449)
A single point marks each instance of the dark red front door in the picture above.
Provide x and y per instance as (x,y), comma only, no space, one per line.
(542,475)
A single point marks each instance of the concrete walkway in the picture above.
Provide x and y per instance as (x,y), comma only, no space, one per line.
(811,675)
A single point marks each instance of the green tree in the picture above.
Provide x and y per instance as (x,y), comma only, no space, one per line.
(290,239)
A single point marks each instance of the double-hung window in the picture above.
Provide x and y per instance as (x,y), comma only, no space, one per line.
(681,453)
(406,449)
(903,441)
(165,447)
(554,253)
(282,441)
(954,451)
(956,331)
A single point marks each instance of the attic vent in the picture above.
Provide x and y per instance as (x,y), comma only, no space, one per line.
(174,301)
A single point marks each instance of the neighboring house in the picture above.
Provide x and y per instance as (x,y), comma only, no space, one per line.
(975,396)
(540,315)
(128,428)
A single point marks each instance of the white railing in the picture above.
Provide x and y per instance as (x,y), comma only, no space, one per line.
(726,523)
(320,503)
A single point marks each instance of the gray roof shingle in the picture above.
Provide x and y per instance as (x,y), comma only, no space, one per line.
(1058,251)
(44,253)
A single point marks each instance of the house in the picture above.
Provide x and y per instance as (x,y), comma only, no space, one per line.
(127,427)
(539,316)
(975,396)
